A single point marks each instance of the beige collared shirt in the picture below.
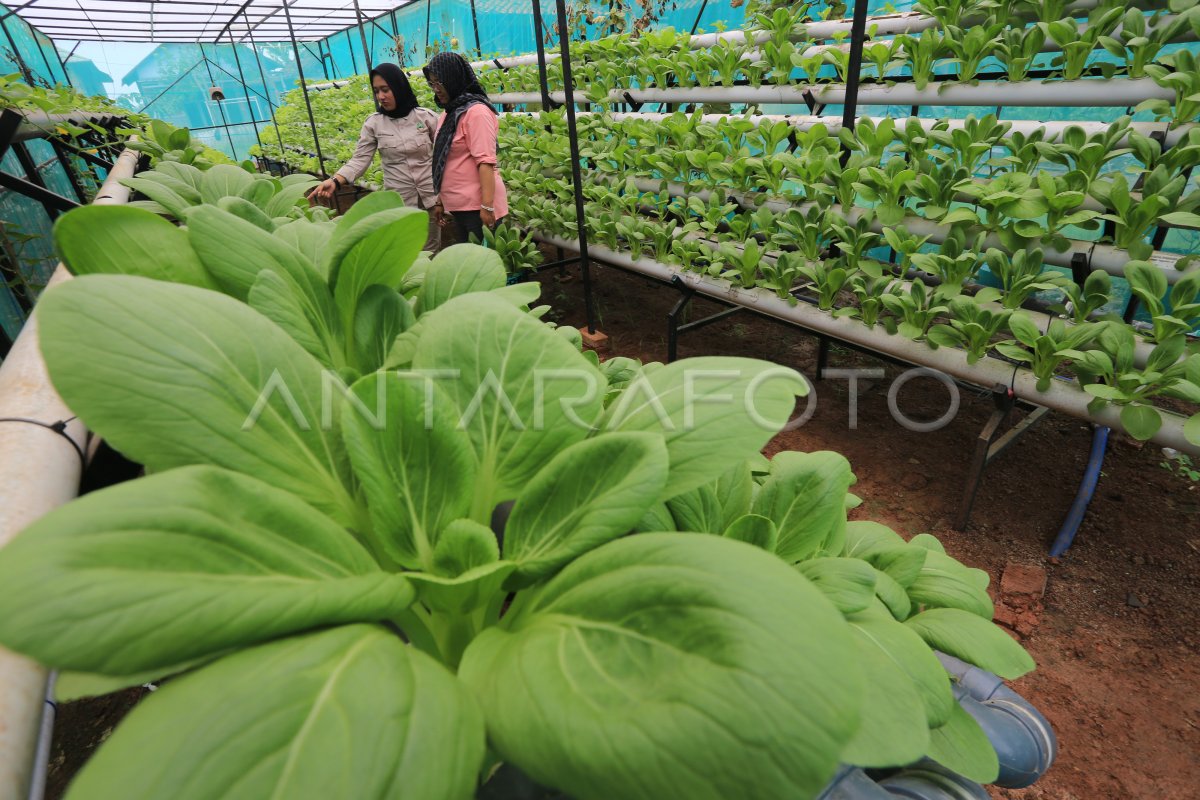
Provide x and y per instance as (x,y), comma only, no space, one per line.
(405,148)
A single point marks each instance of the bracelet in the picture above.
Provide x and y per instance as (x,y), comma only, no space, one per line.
(489,209)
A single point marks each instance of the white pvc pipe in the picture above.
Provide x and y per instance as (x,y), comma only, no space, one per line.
(1062,396)
(804,122)
(39,470)
(1074,94)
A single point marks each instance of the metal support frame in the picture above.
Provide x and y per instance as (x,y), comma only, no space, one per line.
(990,443)
(64,158)
(350,48)
(263,77)
(564,42)
(10,274)
(94,160)
(10,127)
(304,88)
(559,264)
(10,120)
(245,89)
(362,32)
(46,61)
(21,65)
(53,202)
(538,26)
(857,36)
(220,108)
(324,58)
(822,356)
(674,328)
(475,25)
(173,84)
(428,12)
(699,16)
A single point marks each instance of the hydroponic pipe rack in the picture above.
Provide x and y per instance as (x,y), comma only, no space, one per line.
(1062,395)
(41,446)
(1058,94)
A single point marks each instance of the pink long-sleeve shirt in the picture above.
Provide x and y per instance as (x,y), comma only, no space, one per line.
(474,143)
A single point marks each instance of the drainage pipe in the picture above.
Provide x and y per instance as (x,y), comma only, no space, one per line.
(1087,487)
(1062,395)
(1084,93)
(39,470)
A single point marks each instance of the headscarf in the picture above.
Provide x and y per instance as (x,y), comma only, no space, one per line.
(402,92)
(464,91)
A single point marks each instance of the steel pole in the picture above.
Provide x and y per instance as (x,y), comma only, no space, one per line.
(304,88)
(220,108)
(245,89)
(362,32)
(564,44)
(857,35)
(266,90)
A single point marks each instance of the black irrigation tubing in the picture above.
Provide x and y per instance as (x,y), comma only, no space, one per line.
(60,428)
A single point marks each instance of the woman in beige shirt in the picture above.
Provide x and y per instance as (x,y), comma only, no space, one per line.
(403,133)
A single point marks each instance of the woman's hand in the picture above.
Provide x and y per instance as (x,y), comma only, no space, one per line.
(488,217)
(325,189)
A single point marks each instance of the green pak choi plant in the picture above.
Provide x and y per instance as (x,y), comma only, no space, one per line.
(1046,352)
(869,291)
(1021,274)
(917,308)
(1078,44)
(828,278)
(1179,72)
(971,47)
(971,327)
(1148,283)
(1082,302)
(277,548)
(1112,378)
(1018,48)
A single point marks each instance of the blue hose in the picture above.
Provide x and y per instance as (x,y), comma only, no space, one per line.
(1087,487)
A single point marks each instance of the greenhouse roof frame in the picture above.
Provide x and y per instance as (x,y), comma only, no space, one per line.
(194,21)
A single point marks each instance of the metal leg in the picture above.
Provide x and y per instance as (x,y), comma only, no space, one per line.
(687,293)
(988,446)
(674,328)
(822,356)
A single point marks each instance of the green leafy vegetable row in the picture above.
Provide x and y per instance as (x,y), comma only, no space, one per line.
(1114,40)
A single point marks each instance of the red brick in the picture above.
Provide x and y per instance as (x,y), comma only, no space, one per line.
(597,341)
(1023,580)
(1005,616)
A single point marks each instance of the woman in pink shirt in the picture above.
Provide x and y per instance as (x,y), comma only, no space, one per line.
(465,174)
